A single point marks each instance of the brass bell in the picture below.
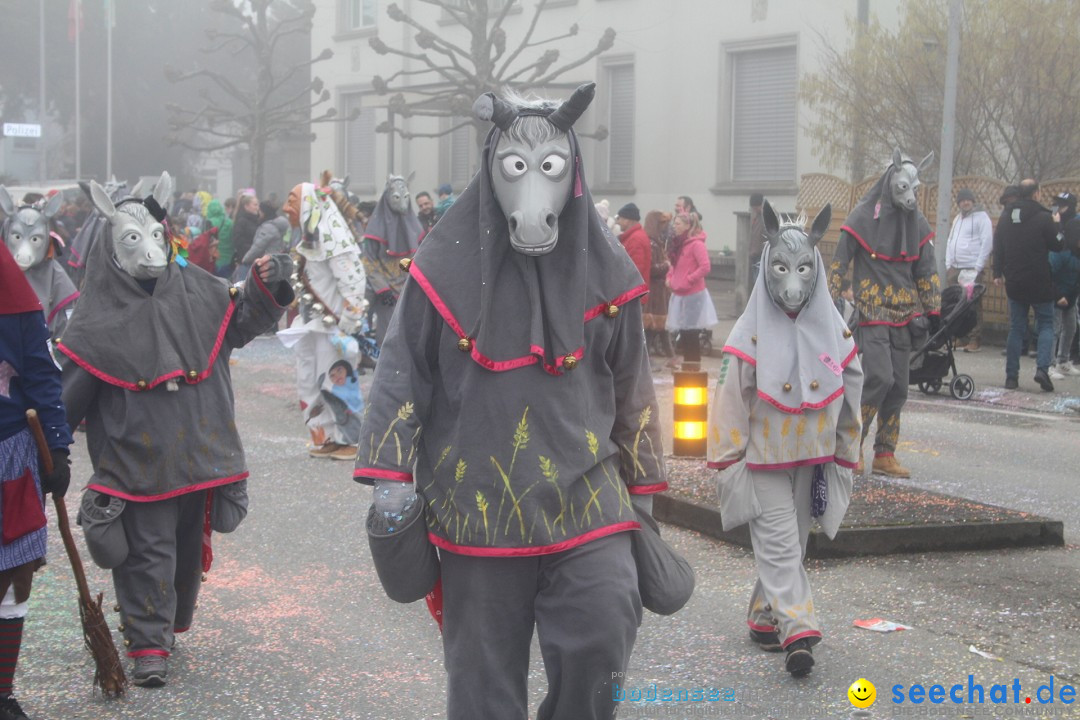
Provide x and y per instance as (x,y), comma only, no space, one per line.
(193,375)
(327,320)
(753,339)
(611,310)
(307,297)
(141,385)
(787,387)
(295,278)
(318,307)
(204,577)
(873,256)
(569,362)
(404,264)
(120,627)
(234,291)
(127,643)
(116,608)
(464,344)
(814,385)
(847,334)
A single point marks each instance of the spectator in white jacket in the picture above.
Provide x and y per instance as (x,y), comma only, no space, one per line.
(971,241)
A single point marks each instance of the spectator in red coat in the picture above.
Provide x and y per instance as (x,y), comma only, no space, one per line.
(635,240)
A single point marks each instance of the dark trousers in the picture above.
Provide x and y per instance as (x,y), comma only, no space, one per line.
(886,352)
(158,584)
(585,605)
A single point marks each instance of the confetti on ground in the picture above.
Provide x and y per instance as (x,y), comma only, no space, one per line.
(879,625)
(983,653)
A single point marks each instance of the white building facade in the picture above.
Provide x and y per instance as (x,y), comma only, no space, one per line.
(700,97)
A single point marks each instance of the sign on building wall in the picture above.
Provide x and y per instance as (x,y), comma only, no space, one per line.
(22,130)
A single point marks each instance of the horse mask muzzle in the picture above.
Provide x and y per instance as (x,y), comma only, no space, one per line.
(532,166)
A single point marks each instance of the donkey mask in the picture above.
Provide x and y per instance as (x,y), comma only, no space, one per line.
(140,243)
(905,179)
(790,262)
(532,173)
(26,230)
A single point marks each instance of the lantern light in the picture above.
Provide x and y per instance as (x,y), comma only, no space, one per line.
(691,413)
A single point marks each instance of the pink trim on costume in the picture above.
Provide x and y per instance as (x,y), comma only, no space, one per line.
(437,301)
(845,463)
(381,241)
(144,653)
(620,300)
(537,550)
(851,356)
(60,305)
(384,290)
(378,474)
(577,177)
(181,630)
(718,465)
(262,286)
(172,493)
(927,239)
(761,628)
(792,464)
(647,489)
(890,324)
(105,377)
(739,354)
(799,636)
(805,406)
(878,255)
(884,454)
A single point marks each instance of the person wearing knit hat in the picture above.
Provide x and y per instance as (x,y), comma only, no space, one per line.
(630,212)
(967,253)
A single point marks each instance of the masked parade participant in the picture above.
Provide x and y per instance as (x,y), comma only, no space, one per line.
(151,377)
(26,234)
(784,430)
(512,424)
(330,281)
(897,291)
(29,379)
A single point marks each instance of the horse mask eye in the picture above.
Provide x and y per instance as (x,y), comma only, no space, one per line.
(514,166)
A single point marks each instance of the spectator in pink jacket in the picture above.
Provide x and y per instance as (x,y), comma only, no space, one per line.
(691,309)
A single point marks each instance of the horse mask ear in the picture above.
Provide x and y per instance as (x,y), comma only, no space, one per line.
(494,109)
(897,158)
(102,201)
(821,225)
(53,206)
(163,189)
(769,216)
(6,203)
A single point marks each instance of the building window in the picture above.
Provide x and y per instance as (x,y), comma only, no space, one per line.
(360,14)
(358,147)
(617,150)
(764,121)
(460,155)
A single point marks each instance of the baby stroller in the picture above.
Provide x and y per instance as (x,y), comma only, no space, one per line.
(930,364)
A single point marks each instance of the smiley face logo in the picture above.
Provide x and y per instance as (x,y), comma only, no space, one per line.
(862,693)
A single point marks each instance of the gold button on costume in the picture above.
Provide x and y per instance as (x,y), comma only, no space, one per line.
(569,362)
(611,311)
(464,344)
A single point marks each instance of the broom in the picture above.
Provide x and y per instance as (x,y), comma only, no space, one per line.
(109,673)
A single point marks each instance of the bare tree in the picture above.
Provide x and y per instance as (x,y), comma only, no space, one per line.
(239,113)
(450,76)
(1016,110)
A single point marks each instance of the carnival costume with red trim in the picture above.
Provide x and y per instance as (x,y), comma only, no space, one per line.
(515,390)
(54,289)
(147,365)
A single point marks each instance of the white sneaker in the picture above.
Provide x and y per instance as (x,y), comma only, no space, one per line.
(1069,369)
(1056,374)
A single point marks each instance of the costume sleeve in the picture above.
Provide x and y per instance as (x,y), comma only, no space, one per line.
(257,309)
(842,256)
(729,412)
(849,423)
(985,230)
(637,417)
(40,380)
(373,264)
(399,400)
(80,391)
(927,282)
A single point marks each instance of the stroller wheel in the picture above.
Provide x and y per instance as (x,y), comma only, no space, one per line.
(930,387)
(962,387)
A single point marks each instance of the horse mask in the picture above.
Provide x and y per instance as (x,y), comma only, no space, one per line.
(140,242)
(393,223)
(790,262)
(26,230)
(887,221)
(532,167)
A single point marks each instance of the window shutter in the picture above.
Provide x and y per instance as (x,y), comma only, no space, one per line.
(360,144)
(621,124)
(764,106)
(462,153)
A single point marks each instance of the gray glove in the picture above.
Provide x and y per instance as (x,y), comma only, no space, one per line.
(281,268)
(393,500)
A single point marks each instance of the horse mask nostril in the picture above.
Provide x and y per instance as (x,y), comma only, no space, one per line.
(551,218)
(513,221)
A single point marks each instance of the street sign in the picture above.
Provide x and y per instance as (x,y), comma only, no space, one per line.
(22,130)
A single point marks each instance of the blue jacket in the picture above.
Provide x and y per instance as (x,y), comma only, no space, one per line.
(29,378)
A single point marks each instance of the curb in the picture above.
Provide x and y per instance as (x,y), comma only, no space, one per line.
(877,540)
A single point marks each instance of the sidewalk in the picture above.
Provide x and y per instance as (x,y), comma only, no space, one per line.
(884,517)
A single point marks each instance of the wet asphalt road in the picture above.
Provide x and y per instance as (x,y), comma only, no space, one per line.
(293,624)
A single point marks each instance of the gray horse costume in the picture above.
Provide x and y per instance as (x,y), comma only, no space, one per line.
(26,233)
(147,366)
(392,233)
(784,430)
(513,390)
(896,286)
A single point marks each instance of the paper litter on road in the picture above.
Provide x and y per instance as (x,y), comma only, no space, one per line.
(879,625)
(988,656)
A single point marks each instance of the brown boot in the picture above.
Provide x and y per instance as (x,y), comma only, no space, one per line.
(344,452)
(973,347)
(888,465)
(326,450)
